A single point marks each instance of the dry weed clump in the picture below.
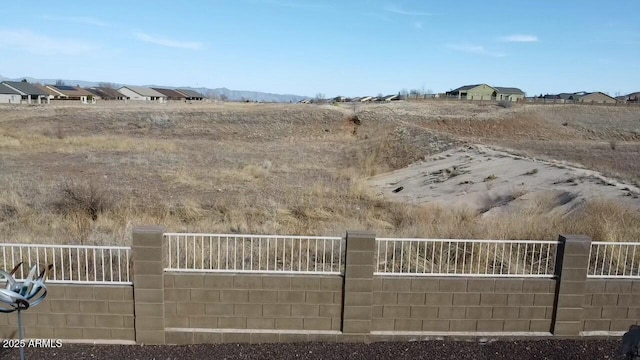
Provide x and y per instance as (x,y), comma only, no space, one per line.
(83,198)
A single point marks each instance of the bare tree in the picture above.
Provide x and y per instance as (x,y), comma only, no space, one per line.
(60,83)
(107,85)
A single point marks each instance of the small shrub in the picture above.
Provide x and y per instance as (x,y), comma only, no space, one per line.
(532,172)
(87,198)
(613,144)
(490,178)
(505,104)
(565,124)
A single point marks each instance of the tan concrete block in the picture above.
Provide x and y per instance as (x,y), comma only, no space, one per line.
(519,300)
(592,312)
(236,338)
(147,268)
(360,272)
(571,300)
(435,325)
(408,325)
(386,298)
(189,281)
(174,321)
(289,323)
(247,310)
(517,325)
(28,319)
(597,325)
(218,282)
(179,338)
(623,324)
(247,282)
(451,312)
(358,299)
(316,324)
(39,332)
(265,338)
(355,338)
(323,338)
(261,323)
(594,286)
(565,328)
(505,312)
(129,321)
(466,299)
(424,312)
(78,320)
(569,314)
(493,299)
(532,312)
(305,283)
(614,312)
(305,310)
(109,321)
(234,296)
(635,287)
(276,282)
(330,310)
(628,299)
(94,307)
(48,320)
(382,325)
(96,334)
(358,285)
(376,311)
(634,312)
(438,299)
(127,293)
(207,338)
(396,312)
(360,258)
(540,325)
(490,325)
(508,286)
(463,325)
(168,281)
(149,323)
(147,236)
(78,292)
(319,297)
(574,274)
(411,298)
(67,333)
(481,285)
(276,310)
(107,293)
(204,295)
(425,285)
(294,338)
(572,287)
(358,312)
(218,309)
(356,326)
(453,285)
(190,309)
(604,300)
(263,296)
(232,323)
(396,285)
(177,295)
(55,292)
(149,295)
(291,297)
(537,286)
(150,337)
(479,312)
(203,322)
(148,281)
(543,299)
(360,240)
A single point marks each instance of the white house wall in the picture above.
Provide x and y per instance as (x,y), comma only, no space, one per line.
(132,95)
(10,99)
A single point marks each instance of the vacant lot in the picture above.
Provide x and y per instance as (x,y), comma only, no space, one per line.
(87,174)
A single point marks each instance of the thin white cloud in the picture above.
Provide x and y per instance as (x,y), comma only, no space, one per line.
(78,20)
(193,45)
(519,38)
(37,44)
(475,49)
(400,11)
(417,25)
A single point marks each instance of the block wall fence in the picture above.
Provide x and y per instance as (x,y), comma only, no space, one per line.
(165,307)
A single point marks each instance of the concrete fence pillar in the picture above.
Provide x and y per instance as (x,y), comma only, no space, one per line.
(572,264)
(358,286)
(148,284)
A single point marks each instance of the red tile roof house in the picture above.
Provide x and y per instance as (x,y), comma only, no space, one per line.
(65,92)
(141,93)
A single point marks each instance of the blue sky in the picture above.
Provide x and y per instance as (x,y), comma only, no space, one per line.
(350,48)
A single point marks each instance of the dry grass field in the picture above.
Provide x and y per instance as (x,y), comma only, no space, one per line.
(88,174)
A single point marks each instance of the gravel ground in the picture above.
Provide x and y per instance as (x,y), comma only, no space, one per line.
(521,350)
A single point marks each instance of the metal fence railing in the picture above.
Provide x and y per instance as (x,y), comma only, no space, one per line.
(456,257)
(614,260)
(72,264)
(254,253)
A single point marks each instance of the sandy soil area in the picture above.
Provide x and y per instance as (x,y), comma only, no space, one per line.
(492,180)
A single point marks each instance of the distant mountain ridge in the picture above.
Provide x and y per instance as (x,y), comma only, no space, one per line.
(217,93)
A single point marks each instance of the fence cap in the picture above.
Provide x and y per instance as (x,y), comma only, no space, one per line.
(149,229)
(361,234)
(574,238)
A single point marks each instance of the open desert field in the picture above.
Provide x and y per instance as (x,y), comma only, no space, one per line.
(88,174)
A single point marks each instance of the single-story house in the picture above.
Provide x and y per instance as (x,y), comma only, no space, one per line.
(66,92)
(171,94)
(366,98)
(633,97)
(305,101)
(340,99)
(391,98)
(596,98)
(487,92)
(9,96)
(28,92)
(191,94)
(141,93)
(106,93)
